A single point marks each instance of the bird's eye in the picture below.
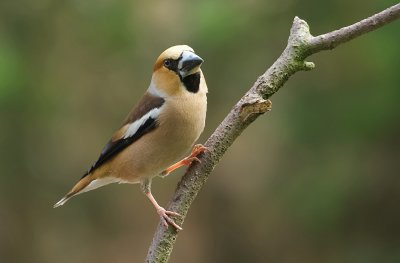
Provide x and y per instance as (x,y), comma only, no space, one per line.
(167,63)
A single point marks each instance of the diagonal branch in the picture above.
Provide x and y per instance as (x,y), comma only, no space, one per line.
(301,44)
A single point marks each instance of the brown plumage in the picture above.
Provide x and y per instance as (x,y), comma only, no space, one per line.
(159,130)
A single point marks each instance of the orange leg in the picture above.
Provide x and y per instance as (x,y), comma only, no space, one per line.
(197,149)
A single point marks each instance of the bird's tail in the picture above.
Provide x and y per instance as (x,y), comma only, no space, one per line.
(77,189)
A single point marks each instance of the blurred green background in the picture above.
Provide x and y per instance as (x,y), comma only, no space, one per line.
(315,180)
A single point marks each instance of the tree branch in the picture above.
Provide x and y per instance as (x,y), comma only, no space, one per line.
(301,44)
(334,38)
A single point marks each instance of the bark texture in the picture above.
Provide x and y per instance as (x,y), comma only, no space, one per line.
(301,44)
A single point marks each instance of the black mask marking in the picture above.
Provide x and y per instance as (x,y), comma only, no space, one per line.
(192,82)
(172,64)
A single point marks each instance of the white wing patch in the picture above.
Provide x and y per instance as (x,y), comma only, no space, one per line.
(134,126)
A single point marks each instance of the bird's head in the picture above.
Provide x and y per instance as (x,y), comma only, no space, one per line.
(177,70)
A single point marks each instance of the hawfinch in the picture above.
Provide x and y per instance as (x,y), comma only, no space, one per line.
(159,130)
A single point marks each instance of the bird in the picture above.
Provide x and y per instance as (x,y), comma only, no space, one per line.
(158,131)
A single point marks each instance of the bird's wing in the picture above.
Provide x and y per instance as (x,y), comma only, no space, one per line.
(141,120)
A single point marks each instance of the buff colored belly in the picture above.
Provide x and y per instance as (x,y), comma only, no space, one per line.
(159,149)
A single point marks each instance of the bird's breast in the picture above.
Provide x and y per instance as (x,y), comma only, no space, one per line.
(180,123)
(184,119)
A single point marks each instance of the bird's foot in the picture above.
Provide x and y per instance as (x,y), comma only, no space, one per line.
(197,149)
(165,219)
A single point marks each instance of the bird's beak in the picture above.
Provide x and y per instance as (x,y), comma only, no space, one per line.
(189,63)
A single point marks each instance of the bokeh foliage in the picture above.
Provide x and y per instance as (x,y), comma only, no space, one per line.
(315,180)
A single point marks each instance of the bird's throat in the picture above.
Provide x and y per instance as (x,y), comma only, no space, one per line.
(192,82)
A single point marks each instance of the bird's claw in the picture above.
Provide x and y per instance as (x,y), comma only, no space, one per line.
(197,149)
(165,219)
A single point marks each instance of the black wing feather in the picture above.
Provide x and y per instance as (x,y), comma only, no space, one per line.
(112,148)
